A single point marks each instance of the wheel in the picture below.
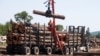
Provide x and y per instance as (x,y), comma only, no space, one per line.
(49,50)
(27,51)
(9,49)
(66,51)
(78,49)
(71,50)
(36,50)
(75,49)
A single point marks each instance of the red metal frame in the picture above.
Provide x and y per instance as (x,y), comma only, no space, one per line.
(57,41)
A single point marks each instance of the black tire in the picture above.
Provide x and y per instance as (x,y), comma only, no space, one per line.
(66,51)
(9,49)
(27,51)
(36,50)
(49,50)
(78,49)
(71,50)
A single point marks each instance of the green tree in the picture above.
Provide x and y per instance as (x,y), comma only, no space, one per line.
(59,27)
(8,25)
(1,28)
(4,28)
(98,35)
(23,17)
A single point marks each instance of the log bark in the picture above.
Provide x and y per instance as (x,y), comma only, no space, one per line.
(53,15)
(36,27)
(72,44)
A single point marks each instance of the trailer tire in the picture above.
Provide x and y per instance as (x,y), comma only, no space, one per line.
(71,50)
(36,50)
(66,51)
(27,51)
(49,50)
(10,50)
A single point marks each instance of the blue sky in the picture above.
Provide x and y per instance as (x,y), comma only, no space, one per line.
(77,12)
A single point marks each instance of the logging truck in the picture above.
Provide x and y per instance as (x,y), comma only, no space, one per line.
(35,39)
(27,38)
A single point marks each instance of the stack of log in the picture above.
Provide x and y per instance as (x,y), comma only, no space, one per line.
(38,34)
(73,39)
(29,33)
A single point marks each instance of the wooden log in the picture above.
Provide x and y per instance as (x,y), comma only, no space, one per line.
(8,41)
(46,40)
(36,27)
(14,42)
(22,35)
(34,31)
(75,38)
(21,28)
(46,32)
(27,38)
(14,26)
(9,37)
(40,32)
(74,34)
(32,36)
(30,31)
(72,44)
(75,42)
(46,37)
(41,43)
(27,42)
(53,15)
(61,32)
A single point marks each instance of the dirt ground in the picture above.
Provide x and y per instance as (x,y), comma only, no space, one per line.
(96,49)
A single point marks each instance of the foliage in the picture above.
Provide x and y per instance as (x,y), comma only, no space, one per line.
(98,35)
(23,17)
(4,28)
(59,27)
(20,17)
(88,32)
(94,33)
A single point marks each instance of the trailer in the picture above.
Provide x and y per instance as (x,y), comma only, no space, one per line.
(36,38)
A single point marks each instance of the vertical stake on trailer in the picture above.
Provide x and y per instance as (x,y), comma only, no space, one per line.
(25,33)
(68,41)
(30,37)
(73,37)
(38,35)
(44,35)
(77,38)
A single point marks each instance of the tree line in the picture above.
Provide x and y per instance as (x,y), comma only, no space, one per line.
(4,28)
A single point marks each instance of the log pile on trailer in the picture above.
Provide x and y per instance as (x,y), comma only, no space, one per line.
(19,33)
(31,34)
(35,38)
